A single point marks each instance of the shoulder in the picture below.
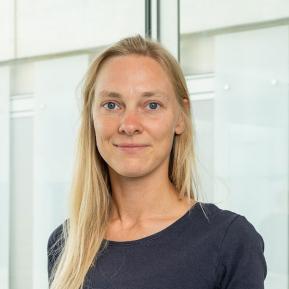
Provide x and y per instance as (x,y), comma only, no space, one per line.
(214,216)
(55,245)
(242,230)
(231,225)
(240,260)
(56,237)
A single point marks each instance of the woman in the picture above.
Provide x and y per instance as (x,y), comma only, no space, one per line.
(135,222)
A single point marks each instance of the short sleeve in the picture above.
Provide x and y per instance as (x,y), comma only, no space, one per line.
(241,263)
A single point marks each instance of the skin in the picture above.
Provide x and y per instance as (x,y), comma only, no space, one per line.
(144,199)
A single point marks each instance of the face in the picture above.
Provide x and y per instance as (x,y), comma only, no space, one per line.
(135,104)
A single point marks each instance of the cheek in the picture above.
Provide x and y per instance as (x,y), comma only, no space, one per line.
(164,125)
(162,132)
(103,130)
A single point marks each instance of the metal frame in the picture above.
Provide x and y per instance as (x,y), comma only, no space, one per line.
(152,19)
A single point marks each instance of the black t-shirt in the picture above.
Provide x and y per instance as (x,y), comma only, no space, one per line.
(206,248)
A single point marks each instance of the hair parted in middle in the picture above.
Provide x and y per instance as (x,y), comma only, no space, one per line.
(90,197)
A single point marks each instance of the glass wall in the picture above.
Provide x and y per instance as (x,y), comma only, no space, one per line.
(236,59)
(4,175)
(41,69)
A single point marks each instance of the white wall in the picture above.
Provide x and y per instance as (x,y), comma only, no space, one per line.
(7,30)
(211,14)
(51,26)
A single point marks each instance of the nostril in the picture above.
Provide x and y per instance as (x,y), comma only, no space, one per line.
(130,128)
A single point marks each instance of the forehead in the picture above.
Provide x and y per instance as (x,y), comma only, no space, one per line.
(134,72)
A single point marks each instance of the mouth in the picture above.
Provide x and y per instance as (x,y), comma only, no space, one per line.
(131,148)
(130,145)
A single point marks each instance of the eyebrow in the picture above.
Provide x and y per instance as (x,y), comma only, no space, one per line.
(146,94)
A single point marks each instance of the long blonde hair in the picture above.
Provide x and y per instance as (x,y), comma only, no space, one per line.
(90,201)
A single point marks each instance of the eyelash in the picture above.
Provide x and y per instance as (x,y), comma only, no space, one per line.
(116,103)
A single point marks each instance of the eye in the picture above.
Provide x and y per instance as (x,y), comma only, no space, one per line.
(110,104)
(153,105)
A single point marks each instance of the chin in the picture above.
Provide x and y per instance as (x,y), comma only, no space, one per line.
(131,172)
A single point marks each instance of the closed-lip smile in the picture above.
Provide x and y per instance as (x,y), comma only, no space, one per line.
(130,145)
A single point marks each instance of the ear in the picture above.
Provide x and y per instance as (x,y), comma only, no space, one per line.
(180,126)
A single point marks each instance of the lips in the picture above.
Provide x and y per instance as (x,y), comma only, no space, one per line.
(131,148)
(131,145)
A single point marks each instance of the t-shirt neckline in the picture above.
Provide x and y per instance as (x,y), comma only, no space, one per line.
(170,228)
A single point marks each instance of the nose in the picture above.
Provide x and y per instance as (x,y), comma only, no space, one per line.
(130,123)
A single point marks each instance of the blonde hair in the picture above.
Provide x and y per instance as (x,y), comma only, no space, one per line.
(90,201)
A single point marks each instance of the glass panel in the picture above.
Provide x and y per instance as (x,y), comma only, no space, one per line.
(251,135)
(208,15)
(55,26)
(55,128)
(22,79)
(7,28)
(21,200)
(244,48)
(203,112)
(4,177)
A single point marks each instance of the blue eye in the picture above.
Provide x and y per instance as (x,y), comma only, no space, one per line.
(154,105)
(110,105)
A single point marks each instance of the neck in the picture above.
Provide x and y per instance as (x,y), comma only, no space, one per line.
(134,201)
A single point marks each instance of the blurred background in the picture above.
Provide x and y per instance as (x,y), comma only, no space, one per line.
(235,56)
